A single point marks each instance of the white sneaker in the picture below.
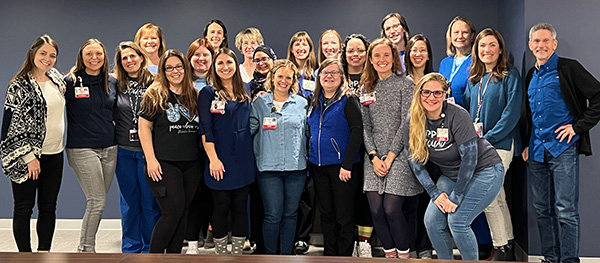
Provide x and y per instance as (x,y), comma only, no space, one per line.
(364,250)
(355,250)
(192,248)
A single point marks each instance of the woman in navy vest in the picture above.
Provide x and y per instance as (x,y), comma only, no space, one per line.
(336,135)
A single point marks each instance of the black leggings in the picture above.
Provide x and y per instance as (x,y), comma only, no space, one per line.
(47,186)
(393,219)
(174,195)
(233,201)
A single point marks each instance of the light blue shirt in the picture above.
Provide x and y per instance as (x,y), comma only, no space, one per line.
(284,147)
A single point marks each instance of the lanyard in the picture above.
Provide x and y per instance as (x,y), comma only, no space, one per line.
(456,67)
(134,97)
(480,95)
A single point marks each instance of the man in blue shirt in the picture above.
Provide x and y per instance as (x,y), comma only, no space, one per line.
(556,121)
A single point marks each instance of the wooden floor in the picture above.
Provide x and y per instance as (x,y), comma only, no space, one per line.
(151,258)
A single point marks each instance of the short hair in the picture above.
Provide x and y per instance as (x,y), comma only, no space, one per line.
(282,63)
(251,33)
(450,49)
(319,88)
(540,26)
(151,27)
(222,25)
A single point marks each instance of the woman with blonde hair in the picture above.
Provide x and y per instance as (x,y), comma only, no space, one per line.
(246,41)
(169,138)
(32,145)
(91,146)
(330,45)
(472,172)
(152,41)
(390,186)
(494,99)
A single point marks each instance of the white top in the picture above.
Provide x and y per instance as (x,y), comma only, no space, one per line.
(245,77)
(278,105)
(55,121)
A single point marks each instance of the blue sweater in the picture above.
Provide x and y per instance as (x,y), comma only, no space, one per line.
(500,108)
(459,82)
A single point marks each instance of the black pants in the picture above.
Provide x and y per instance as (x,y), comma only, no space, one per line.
(201,209)
(174,195)
(234,201)
(257,215)
(335,200)
(306,211)
(394,218)
(47,187)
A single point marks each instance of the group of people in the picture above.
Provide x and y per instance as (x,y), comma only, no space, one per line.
(365,129)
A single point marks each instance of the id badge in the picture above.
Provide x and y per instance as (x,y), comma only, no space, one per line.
(308,85)
(269,123)
(478,128)
(442,134)
(217,106)
(82,92)
(451,100)
(133,135)
(367,99)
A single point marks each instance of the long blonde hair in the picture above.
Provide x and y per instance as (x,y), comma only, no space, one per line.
(156,96)
(417,141)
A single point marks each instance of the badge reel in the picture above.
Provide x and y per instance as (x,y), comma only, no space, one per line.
(133,135)
(81,92)
(367,99)
(217,106)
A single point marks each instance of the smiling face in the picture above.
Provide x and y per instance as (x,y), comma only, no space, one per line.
(201,61)
(330,46)
(330,78)
(301,49)
(419,55)
(263,62)
(131,62)
(283,80)
(225,66)
(248,46)
(461,35)
(93,58)
(214,35)
(382,59)
(542,44)
(393,30)
(432,104)
(45,58)
(174,70)
(356,53)
(488,50)
(150,42)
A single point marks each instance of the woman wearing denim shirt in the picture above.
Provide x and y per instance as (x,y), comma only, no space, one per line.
(280,116)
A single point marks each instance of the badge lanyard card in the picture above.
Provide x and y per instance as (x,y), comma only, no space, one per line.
(442,132)
(477,124)
(217,105)
(455,68)
(133,132)
(81,92)
(366,98)
(270,123)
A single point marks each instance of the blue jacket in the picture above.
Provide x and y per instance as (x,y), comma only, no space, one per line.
(282,148)
(459,82)
(500,109)
(329,133)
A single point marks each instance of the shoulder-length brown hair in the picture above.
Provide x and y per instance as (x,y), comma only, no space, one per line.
(417,138)
(408,63)
(477,69)
(29,64)
(156,96)
(311,61)
(151,27)
(319,87)
(239,91)
(144,76)
(339,38)
(450,49)
(282,63)
(200,42)
(370,77)
(80,66)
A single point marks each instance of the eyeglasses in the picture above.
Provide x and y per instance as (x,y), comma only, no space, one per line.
(394,26)
(260,60)
(415,51)
(333,73)
(425,93)
(170,68)
(357,51)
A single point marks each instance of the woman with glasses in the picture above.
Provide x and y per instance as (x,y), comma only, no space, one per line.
(91,146)
(389,184)
(224,110)
(354,56)
(494,97)
(169,137)
(395,28)
(139,210)
(418,57)
(455,67)
(443,133)
(336,131)
(263,59)
(246,42)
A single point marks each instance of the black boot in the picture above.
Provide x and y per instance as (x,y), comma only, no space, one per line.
(503,253)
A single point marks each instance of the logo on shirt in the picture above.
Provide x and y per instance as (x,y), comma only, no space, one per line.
(173,112)
(436,145)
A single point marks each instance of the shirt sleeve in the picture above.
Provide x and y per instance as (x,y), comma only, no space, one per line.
(255,116)
(206,126)
(424,178)
(353,116)
(367,129)
(589,87)
(512,112)
(468,162)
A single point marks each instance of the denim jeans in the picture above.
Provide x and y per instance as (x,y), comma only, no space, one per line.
(95,170)
(280,193)
(555,188)
(482,189)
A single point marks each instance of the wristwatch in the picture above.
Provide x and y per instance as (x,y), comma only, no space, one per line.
(372,155)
